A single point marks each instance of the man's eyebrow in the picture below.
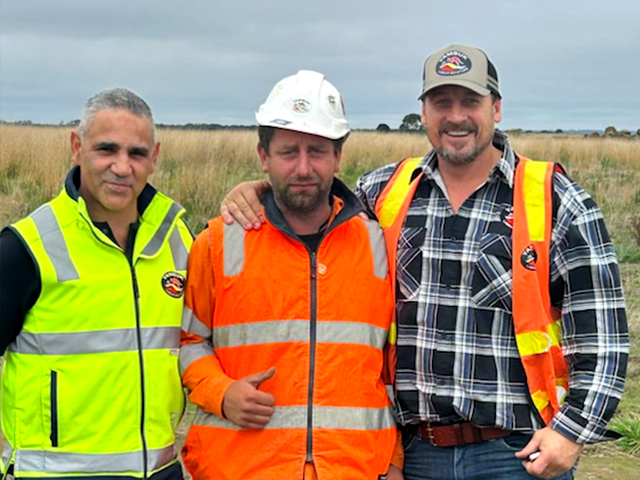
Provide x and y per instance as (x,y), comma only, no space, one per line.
(287,148)
(142,151)
(106,146)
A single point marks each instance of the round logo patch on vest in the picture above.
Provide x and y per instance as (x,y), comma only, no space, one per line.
(529,258)
(173,284)
(453,62)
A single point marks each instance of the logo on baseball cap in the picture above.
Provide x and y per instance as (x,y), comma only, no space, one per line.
(461,65)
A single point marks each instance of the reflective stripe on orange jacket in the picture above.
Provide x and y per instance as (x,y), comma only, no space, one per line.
(321,319)
(537,324)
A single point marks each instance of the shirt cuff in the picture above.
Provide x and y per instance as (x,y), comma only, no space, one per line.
(574,425)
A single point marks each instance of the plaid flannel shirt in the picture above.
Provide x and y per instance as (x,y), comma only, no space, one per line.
(457,354)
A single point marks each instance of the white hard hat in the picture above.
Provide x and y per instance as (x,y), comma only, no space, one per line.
(307,103)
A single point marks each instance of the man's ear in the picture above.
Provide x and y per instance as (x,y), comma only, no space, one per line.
(154,156)
(497,110)
(76,144)
(263,158)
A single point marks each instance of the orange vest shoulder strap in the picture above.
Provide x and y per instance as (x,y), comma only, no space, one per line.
(395,191)
(536,324)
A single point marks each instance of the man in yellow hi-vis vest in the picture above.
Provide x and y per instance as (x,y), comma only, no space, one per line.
(512,342)
(90,311)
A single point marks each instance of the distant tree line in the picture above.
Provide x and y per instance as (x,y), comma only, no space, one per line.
(411,123)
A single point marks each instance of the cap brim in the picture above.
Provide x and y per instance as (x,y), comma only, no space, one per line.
(480,90)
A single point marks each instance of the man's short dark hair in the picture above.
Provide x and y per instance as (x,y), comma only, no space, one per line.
(265,135)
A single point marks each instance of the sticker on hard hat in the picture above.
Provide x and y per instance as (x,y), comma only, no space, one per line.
(280,121)
(453,63)
(300,106)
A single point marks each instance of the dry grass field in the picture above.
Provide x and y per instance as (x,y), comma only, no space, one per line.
(197,168)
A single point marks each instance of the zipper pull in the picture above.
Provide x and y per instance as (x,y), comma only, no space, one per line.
(314,266)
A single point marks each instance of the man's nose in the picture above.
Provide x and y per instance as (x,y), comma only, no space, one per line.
(121,165)
(303,167)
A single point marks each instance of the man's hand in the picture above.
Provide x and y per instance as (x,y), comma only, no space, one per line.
(557,453)
(242,204)
(245,405)
(395,473)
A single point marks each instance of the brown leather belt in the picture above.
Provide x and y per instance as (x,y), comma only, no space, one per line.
(456,434)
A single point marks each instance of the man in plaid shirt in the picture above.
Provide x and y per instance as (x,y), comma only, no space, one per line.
(457,359)
(459,373)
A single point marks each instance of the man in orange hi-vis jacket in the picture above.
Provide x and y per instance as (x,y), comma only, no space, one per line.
(284,327)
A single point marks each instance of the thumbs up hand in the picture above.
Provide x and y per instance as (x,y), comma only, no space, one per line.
(245,405)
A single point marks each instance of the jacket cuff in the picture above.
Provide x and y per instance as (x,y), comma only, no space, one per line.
(209,397)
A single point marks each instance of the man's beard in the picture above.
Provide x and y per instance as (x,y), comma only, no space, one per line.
(303,201)
(462,158)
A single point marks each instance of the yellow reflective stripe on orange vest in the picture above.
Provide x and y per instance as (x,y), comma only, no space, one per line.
(534,180)
(531,343)
(398,192)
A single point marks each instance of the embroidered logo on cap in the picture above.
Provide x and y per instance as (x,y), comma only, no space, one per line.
(453,62)
(529,258)
(300,106)
(173,284)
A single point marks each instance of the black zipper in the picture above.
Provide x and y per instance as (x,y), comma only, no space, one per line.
(312,351)
(53,400)
(128,253)
(136,297)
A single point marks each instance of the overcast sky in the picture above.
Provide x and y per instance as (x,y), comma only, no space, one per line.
(569,64)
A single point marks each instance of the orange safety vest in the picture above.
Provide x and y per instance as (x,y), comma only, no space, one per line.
(322,320)
(536,322)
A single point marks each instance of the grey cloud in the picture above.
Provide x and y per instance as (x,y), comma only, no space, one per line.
(563,62)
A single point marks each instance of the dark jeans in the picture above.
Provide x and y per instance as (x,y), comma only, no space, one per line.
(490,460)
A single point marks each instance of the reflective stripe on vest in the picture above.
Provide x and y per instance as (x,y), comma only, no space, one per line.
(37,461)
(97,341)
(54,243)
(284,331)
(191,324)
(192,352)
(334,418)
(179,251)
(233,244)
(158,238)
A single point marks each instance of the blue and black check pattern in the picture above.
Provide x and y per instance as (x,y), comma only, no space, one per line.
(457,356)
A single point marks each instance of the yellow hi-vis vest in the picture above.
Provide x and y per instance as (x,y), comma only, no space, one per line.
(536,323)
(91,385)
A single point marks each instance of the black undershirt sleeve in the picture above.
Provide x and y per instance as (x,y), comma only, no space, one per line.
(19,286)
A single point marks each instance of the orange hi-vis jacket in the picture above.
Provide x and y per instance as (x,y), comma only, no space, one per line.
(259,299)
(536,322)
